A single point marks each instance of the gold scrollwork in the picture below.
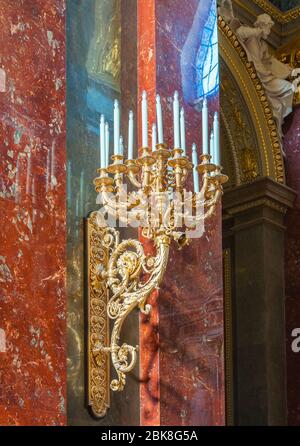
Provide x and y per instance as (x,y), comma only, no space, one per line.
(124,278)
(118,268)
(241,138)
(249,165)
(99,241)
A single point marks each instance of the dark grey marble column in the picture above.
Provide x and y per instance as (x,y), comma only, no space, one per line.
(254,230)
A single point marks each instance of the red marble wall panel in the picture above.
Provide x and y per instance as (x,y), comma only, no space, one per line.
(149,334)
(182,368)
(292,265)
(32,213)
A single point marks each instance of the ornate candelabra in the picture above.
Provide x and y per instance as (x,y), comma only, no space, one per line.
(121,275)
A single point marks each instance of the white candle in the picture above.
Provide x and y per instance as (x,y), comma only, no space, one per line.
(205,128)
(212,147)
(144,120)
(154,137)
(102,142)
(195,172)
(130,136)
(176,121)
(116,127)
(121,146)
(159,120)
(106,144)
(217,140)
(182,131)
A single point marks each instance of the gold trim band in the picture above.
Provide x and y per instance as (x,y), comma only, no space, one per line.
(281,17)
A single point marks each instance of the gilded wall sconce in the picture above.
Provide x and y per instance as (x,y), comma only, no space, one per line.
(120,275)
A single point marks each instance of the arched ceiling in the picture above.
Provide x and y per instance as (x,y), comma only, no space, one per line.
(250,140)
(241,157)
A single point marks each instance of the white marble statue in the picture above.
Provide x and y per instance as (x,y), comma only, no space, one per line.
(226,12)
(272,73)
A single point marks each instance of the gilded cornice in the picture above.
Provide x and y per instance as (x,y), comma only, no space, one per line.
(262,202)
(280,16)
(262,99)
(264,192)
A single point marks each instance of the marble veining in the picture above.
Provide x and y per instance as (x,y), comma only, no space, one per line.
(32,196)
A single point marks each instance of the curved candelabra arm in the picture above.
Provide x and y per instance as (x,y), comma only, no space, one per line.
(195,208)
(205,185)
(127,263)
(133,169)
(127,213)
(209,208)
(133,179)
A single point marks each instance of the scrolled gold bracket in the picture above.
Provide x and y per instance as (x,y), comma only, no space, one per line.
(115,289)
(99,242)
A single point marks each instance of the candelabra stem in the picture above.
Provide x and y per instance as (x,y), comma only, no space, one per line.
(129,260)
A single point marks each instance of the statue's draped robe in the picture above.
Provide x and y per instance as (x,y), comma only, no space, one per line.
(272,73)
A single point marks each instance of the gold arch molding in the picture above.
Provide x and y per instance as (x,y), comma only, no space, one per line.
(277,14)
(248,128)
